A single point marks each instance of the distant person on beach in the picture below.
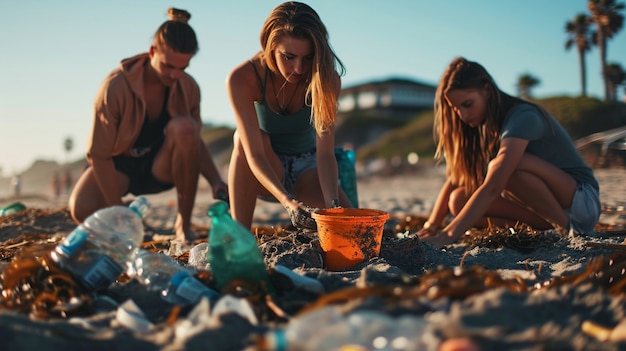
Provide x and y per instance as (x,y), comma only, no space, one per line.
(56,185)
(68,180)
(285,101)
(507,161)
(16,185)
(146,130)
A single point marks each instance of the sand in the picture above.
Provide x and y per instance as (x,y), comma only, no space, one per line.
(504,294)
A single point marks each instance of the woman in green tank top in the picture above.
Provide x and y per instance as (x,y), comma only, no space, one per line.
(285,100)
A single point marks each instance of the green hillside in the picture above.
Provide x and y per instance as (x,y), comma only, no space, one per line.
(579,116)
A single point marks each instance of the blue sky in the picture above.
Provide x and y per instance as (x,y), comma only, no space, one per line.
(56,53)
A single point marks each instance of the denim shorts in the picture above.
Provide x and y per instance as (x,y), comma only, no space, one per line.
(293,167)
(585,210)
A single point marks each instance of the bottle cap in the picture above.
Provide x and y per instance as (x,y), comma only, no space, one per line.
(140,205)
(274,340)
(179,277)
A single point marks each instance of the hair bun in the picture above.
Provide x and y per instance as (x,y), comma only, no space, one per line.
(178,15)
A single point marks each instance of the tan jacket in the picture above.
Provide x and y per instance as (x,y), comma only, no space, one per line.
(120,107)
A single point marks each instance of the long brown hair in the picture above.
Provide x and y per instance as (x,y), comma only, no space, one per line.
(468,150)
(301,21)
(176,34)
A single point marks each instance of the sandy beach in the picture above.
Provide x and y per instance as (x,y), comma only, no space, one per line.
(542,292)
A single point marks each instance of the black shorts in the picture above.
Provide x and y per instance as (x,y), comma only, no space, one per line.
(139,170)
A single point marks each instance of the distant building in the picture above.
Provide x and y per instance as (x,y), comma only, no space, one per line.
(394,97)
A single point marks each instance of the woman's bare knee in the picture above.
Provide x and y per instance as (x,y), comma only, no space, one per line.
(457,201)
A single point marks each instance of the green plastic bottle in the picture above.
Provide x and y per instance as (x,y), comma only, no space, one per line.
(12,209)
(233,251)
(346,161)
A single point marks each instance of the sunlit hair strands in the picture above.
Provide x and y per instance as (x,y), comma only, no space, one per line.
(301,21)
(467,150)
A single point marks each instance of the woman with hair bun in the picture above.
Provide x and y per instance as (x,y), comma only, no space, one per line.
(285,101)
(146,130)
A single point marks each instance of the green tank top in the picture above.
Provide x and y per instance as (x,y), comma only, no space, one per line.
(289,134)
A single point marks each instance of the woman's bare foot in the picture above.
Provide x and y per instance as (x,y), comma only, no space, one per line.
(186,236)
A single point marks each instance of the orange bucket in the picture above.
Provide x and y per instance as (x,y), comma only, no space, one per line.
(349,236)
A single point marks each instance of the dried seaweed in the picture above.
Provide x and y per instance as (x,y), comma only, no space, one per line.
(34,284)
(521,237)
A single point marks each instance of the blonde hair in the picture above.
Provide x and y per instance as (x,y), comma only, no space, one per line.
(176,34)
(301,21)
(468,150)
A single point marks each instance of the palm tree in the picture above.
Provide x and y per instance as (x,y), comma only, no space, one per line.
(615,75)
(525,83)
(604,13)
(578,34)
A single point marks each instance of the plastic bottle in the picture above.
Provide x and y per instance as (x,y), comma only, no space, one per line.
(233,251)
(305,332)
(346,160)
(198,256)
(174,282)
(104,245)
(12,209)
(327,328)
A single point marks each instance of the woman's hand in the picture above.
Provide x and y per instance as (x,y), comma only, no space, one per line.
(220,190)
(439,240)
(300,214)
(435,236)
(427,230)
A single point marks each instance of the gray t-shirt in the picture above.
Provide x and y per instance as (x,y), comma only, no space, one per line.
(547,140)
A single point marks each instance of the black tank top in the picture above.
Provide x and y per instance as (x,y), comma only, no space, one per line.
(152,132)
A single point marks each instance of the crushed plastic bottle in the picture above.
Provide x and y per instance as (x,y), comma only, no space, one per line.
(327,328)
(12,209)
(234,254)
(104,245)
(174,282)
(299,281)
(198,256)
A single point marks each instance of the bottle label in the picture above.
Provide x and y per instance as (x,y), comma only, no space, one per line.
(102,272)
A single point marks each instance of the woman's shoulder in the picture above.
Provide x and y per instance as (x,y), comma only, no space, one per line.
(246,73)
(524,108)
(247,67)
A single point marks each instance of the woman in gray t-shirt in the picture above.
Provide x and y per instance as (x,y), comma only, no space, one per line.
(507,161)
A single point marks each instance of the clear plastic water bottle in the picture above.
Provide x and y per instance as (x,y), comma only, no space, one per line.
(327,328)
(233,251)
(305,332)
(174,282)
(104,245)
